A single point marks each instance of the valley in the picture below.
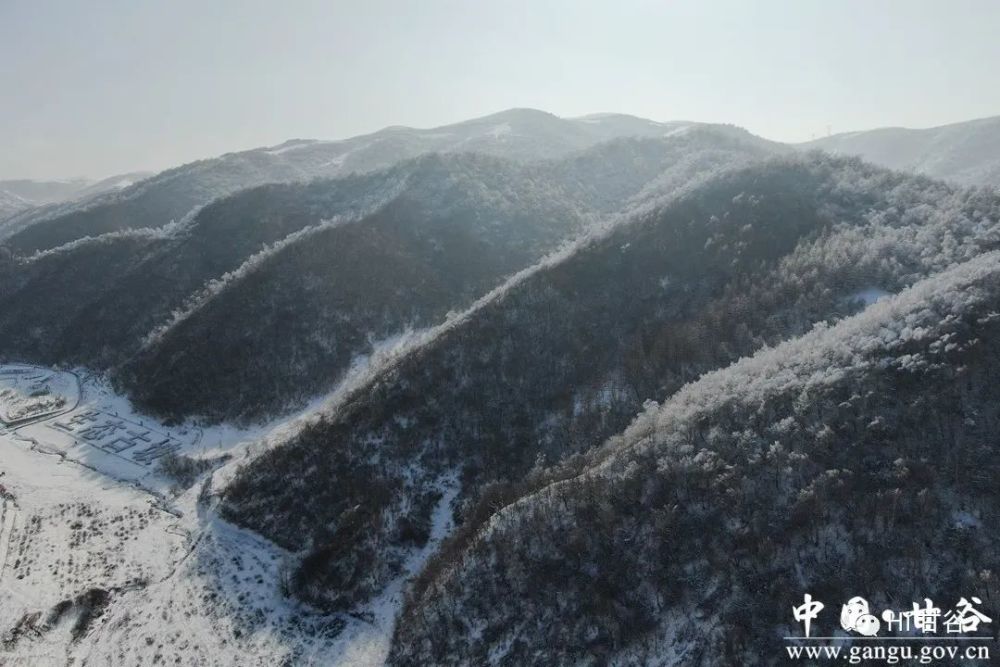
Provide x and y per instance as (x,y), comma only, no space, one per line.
(103,556)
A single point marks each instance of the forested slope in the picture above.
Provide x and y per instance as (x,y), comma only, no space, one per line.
(859,457)
(304,278)
(967,153)
(566,355)
(523,135)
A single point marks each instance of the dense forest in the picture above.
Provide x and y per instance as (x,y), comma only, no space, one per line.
(858,457)
(522,135)
(564,356)
(305,278)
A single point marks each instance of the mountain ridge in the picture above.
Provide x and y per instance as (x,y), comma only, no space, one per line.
(151,302)
(574,350)
(516,134)
(643,609)
(520,134)
(966,152)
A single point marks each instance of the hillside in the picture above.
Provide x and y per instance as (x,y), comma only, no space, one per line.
(967,153)
(436,247)
(517,134)
(307,278)
(11,203)
(830,463)
(566,354)
(23,199)
(104,295)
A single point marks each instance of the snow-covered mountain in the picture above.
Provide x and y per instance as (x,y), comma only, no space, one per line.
(11,203)
(819,465)
(410,243)
(966,153)
(45,192)
(110,184)
(517,134)
(518,390)
(564,356)
(22,196)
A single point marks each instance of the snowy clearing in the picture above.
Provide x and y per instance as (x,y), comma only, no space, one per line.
(104,560)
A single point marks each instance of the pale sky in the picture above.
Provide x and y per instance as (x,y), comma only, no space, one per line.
(96,87)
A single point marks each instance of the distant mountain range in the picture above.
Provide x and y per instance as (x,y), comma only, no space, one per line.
(518,134)
(967,153)
(964,153)
(21,195)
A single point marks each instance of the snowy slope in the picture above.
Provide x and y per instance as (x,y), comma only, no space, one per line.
(10,204)
(517,134)
(27,199)
(823,463)
(181,585)
(966,153)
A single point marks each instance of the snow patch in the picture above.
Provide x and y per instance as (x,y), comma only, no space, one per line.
(678,132)
(501,130)
(869,295)
(289,146)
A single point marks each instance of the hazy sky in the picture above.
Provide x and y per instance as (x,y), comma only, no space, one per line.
(103,86)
